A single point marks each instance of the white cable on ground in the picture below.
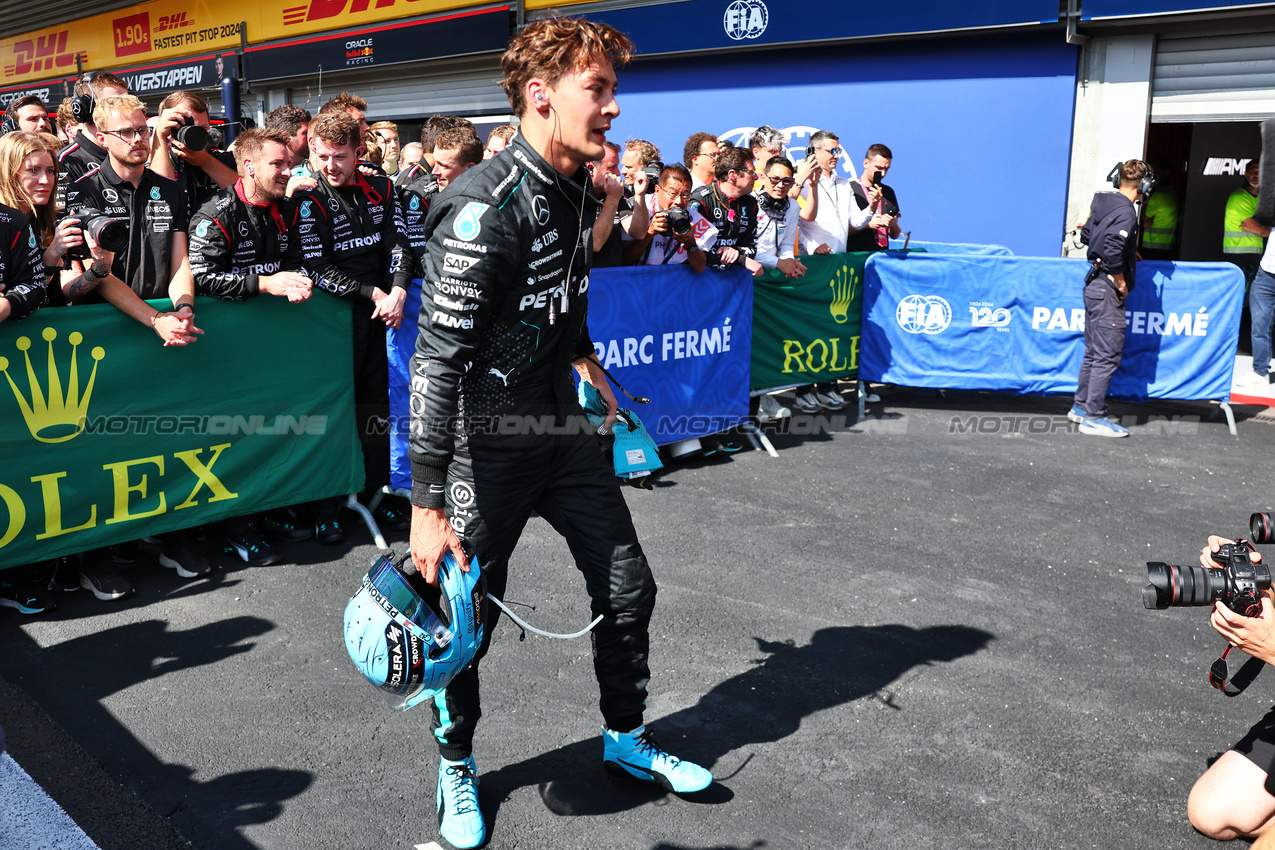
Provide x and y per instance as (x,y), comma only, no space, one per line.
(515,618)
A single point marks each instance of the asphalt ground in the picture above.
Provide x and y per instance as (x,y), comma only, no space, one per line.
(894,634)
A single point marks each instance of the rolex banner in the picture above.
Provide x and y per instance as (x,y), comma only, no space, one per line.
(107,436)
(806,330)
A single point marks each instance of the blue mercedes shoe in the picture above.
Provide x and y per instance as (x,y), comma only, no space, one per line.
(459,820)
(1076,414)
(637,754)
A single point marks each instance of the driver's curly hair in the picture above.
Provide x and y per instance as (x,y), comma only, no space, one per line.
(551,48)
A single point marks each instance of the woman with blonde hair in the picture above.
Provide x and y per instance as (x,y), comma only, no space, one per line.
(28,182)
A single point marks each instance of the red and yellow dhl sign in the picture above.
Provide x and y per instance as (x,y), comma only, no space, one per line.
(166,29)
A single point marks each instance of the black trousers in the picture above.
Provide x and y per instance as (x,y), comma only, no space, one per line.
(490,495)
(371,395)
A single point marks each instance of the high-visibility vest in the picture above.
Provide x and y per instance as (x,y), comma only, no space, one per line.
(1235,240)
(1160,230)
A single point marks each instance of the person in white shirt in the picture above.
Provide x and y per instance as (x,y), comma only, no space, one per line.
(661,244)
(825,226)
(777,216)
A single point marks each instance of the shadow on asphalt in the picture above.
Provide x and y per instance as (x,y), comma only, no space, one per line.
(71,680)
(763,705)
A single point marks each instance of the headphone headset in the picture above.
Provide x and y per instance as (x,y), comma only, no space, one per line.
(10,125)
(82,105)
(540,97)
(1145,185)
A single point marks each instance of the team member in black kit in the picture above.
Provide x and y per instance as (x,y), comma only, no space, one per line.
(352,246)
(729,204)
(503,320)
(85,153)
(244,243)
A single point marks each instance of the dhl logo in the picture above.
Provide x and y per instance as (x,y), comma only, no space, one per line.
(44,53)
(318,10)
(174,22)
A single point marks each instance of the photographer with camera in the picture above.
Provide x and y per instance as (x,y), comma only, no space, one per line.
(1233,799)
(638,154)
(187,149)
(677,230)
(874,197)
(28,181)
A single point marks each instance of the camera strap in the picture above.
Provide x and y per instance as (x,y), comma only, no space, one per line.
(1220,678)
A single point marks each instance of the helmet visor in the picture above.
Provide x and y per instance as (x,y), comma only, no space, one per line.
(394,589)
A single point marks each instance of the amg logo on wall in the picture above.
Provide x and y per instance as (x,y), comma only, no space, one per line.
(1215,166)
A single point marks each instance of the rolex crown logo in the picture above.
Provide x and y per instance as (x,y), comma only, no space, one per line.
(844,285)
(58,414)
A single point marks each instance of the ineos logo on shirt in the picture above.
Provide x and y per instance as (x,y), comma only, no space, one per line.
(541,208)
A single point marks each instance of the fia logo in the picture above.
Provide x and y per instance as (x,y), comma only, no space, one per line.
(923,314)
(745,19)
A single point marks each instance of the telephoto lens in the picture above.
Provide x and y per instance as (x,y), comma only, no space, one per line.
(1262,529)
(1238,585)
(191,135)
(109,233)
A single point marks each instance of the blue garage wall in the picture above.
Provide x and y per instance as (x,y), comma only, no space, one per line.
(980,127)
(1114,8)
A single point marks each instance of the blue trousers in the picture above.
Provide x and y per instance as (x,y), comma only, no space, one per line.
(1261,307)
(1104,344)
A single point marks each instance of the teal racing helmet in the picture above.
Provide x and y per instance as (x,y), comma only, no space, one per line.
(403,644)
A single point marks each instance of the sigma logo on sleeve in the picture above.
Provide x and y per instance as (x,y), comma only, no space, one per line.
(541,208)
(467,225)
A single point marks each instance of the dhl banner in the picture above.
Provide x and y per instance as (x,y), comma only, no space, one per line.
(165,29)
(106,436)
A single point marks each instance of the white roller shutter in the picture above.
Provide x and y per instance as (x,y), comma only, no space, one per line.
(1214,78)
(465,86)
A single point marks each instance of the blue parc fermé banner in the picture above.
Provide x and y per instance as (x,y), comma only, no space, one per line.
(683,340)
(1016,324)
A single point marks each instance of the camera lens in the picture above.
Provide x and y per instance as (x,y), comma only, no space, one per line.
(1175,586)
(110,234)
(192,136)
(1261,528)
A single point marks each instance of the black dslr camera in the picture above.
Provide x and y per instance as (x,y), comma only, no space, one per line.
(1238,583)
(679,220)
(110,233)
(191,135)
(652,171)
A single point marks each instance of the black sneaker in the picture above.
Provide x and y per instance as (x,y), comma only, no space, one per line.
(282,525)
(99,577)
(252,548)
(189,562)
(20,591)
(393,515)
(64,577)
(327,530)
(126,553)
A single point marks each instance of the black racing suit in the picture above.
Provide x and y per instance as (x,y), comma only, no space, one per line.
(234,242)
(503,317)
(76,159)
(413,199)
(21,264)
(735,220)
(352,244)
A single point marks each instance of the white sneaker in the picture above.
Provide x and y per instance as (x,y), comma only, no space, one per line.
(769,408)
(1253,381)
(807,402)
(830,400)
